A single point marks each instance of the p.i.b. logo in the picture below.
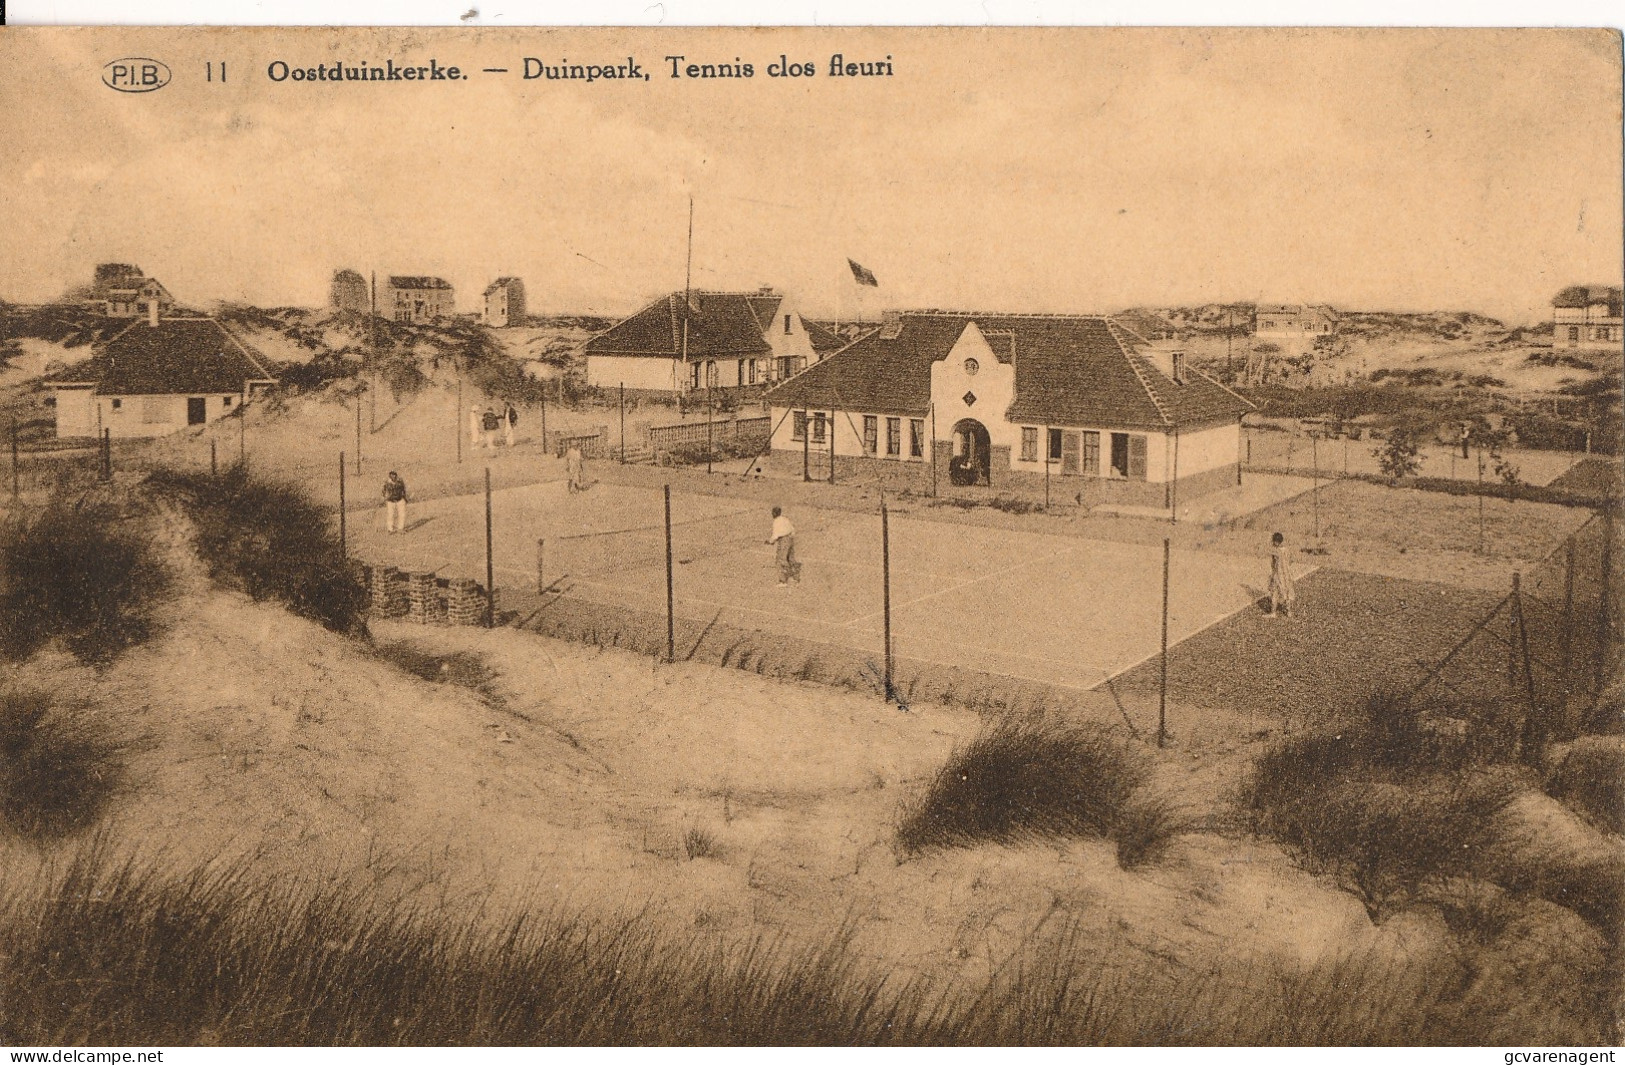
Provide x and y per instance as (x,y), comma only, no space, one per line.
(135,74)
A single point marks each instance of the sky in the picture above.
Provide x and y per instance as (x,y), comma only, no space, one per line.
(1015,170)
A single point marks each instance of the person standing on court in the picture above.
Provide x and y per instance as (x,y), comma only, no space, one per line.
(783,539)
(474,425)
(490,423)
(1283,593)
(395,503)
(573,467)
(510,418)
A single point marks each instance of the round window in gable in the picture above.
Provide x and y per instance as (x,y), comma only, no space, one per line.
(971,366)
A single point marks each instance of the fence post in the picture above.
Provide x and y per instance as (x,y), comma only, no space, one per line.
(490,574)
(671,627)
(623,423)
(541,557)
(1162,695)
(1568,616)
(16,477)
(343,539)
(1605,620)
(107,454)
(358,434)
(1534,728)
(806,446)
(885,588)
(214,462)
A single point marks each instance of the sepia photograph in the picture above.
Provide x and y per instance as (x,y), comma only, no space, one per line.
(811,536)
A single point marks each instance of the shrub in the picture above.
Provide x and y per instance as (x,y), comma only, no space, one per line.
(466,669)
(1144,828)
(1400,454)
(80,571)
(56,774)
(1025,778)
(1591,781)
(268,539)
(698,843)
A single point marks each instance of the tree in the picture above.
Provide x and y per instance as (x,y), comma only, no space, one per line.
(1400,455)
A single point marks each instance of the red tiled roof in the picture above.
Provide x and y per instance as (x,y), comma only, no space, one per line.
(195,356)
(1070,370)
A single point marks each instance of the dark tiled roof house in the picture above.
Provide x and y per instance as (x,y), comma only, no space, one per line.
(733,340)
(994,398)
(157,376)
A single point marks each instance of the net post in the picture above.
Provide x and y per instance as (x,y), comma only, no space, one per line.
(885,588)
(1162,693)
(671,627)
(343,538)
(541,558)
(490,573)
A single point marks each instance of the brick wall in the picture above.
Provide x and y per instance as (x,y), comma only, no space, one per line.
(424,598)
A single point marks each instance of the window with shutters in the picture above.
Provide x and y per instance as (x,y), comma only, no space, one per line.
(1054,451)
(871,431)
(894,436)
(798,425)
(916,438)
(818,427)
(1029,443)
(1136,458)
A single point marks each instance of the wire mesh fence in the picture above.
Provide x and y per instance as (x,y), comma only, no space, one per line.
(1534,665)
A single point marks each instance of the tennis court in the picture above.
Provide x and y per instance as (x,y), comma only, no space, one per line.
(1056,609)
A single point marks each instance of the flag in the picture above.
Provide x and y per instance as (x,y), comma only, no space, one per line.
(862,275)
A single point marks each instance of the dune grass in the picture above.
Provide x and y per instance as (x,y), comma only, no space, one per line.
(1027,777)
(56,772)
(78,569)
(111,953)
(269,539)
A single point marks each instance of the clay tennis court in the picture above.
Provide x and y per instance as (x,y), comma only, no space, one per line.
(1057,609)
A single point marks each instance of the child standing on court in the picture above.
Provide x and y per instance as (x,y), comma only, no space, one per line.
(573,464)
(1283,593)
(783,538)
(510,418)
(395,503)
(491,423)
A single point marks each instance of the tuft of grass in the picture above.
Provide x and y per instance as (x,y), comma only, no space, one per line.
(1590,780)
(80,571)
(1022,778)
(272,541)
(56,774)
(698,843)
(1144,828)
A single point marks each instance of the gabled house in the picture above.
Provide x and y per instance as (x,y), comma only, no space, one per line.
(1587,318)
(157,376)
(505,302)
(121,290)
(1296,328)
(419,300)
(711,340)
(996,399)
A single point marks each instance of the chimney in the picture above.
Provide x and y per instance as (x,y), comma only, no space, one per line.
(767,290)
(152,313)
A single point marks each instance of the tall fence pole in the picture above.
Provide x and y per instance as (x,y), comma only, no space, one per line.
(831,438)
(806,446)
(1568,616)
(16,476)
(1481,500)
(709,420)
(541,558)
(1314,448)
(457,420)
(1534,727)
(671,605)
(343,529)
(214,462)
(1162,695)
(885,588)
(1046,467)
(107,454)
(623,424)
(1605,620)
(242,435)
(358,435)
(490,569)
(544,419)
(933,451)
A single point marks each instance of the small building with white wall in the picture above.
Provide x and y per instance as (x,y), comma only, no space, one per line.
(157,376)
(1006,400)
(419,300)
(505,303)
(1587,318)
(718,340)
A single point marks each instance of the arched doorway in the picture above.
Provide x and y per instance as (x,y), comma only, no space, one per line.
(972,453)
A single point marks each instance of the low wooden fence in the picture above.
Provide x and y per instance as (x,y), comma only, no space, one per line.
(731,435)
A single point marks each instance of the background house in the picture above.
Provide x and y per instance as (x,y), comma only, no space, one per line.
(1296,328)
(734,340)
(505,302)
(349,292)
(157,376)
(992,399)
(419,300)
(121,290)
(1587,318)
